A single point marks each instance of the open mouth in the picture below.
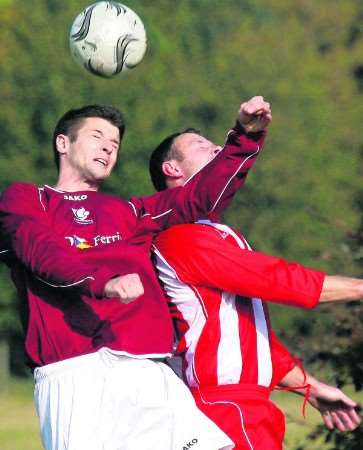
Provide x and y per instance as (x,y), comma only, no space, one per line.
(101,161)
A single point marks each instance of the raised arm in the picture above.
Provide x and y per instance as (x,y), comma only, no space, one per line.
(209,191)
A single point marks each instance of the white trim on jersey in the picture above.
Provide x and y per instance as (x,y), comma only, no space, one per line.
(133,207)
(163,214)
(262,335)
(238,169)
(40,191)
(263,345)
(193,311)
(240,413)
(65,285)
(54,189)
(230,179)
(196,318)
(229,357)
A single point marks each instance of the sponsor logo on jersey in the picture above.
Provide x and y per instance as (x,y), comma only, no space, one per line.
(190,444)
(77,198)
(99,239)
(78,242)
(82,243)
(81,216)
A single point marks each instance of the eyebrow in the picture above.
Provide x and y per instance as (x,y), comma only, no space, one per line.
(116,141)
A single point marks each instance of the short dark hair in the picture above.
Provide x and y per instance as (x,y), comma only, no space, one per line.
(72,120)
(165,152)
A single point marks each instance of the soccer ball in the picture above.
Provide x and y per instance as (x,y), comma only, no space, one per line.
(107,38)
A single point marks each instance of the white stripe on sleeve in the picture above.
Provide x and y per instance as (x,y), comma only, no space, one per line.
(229,356)
(263,346)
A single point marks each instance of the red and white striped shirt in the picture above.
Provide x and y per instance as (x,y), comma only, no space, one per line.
(227,338)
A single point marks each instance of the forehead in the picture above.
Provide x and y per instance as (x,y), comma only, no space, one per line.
(185,140)
(101,125)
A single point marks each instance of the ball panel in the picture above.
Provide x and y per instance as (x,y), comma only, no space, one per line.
(108,38)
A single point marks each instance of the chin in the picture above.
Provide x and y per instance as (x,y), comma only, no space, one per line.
(97,176)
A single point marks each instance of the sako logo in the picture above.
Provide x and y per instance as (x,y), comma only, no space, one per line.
(82,243)
(80,215)
(78,198)
(190,444)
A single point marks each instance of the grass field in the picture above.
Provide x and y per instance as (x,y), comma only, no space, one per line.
(19,426)
(298,427)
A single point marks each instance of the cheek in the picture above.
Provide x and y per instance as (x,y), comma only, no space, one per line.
(76,158)
(201,161)
(194,166)
(114,159)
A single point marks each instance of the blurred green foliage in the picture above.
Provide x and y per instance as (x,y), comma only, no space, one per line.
(204,57)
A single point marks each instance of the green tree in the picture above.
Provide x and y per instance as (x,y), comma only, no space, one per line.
(203,58)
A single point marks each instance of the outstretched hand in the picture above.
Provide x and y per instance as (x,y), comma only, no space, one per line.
(337,410)
(255,114)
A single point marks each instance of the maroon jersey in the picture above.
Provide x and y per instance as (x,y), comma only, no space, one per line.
(62,247)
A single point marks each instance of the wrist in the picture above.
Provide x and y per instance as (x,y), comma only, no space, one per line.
(313,383)
(242,129)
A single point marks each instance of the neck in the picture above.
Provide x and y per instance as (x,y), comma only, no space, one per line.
(172,183)
(74,185)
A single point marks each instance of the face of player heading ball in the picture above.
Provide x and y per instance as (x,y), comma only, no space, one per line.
(107,38)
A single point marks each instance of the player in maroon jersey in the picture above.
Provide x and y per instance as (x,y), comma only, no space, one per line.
(231,357)
(79,258)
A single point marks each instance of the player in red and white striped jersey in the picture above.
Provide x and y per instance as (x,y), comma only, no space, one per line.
(232,359)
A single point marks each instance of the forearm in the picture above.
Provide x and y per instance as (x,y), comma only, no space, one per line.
(337,410)
(54,263)
(28,234)
(303,380)
(336,288)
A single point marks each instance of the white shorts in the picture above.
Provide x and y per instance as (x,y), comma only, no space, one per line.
(108,401)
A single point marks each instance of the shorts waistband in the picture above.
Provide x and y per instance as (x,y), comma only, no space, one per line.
(231,392)
(76,363)
(85,362)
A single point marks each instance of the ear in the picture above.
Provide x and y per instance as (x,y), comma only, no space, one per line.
(62,143)
(171,169)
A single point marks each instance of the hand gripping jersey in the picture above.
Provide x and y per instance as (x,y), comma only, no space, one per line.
(62,247)
(232,358)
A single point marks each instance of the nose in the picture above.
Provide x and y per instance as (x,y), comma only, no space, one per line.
(107,147)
